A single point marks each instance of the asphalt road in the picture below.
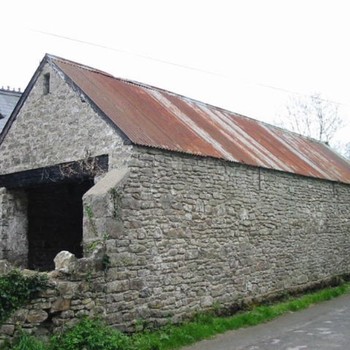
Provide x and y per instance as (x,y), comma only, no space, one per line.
(323,326)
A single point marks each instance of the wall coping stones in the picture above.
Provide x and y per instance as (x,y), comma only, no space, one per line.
(110,181)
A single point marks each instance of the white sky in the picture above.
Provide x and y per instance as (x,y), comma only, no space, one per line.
(234,49)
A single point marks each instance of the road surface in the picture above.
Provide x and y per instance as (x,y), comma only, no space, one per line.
(324,326)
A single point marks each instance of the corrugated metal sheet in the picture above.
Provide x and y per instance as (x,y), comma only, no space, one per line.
(153,117)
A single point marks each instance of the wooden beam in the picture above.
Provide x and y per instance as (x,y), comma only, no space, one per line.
(65,172)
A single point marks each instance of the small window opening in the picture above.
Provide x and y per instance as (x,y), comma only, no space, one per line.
(46,86)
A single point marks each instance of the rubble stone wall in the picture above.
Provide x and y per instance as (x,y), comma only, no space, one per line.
(13,226)
(180,234)
(50,129)
(73,293)
(57,127)
(198,232)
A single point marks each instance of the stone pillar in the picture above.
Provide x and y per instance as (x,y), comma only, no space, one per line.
(13,226)
(3,224)
(101,205)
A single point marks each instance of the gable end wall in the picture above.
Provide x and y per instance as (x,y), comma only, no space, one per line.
(57,127)
(50,129)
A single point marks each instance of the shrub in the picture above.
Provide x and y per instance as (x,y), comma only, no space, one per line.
(28,342)
(90,335)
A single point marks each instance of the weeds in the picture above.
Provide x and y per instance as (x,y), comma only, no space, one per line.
(28,342)
(90,334)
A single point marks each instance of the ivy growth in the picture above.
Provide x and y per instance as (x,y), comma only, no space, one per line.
(90,216)
(16,290)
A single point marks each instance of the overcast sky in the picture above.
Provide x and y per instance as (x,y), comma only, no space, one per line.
(247,56)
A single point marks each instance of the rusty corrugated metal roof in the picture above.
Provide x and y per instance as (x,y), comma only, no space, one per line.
(149,116)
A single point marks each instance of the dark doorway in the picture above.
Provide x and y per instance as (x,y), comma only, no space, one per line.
(55,214)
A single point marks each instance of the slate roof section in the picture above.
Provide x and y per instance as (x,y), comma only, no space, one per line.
(149,116)
(8,101)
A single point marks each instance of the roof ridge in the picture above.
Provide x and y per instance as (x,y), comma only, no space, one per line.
(53,58)
(98,71)
(125,80)
(11,90)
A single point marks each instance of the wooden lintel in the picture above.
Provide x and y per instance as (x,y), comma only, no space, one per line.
(65,172)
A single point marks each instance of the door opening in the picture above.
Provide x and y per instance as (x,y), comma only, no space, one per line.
(55,215)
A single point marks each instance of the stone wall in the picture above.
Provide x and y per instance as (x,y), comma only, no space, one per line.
(180,234)
(57,127)
(199,232)
(50,129)
(76,290)
(13,226)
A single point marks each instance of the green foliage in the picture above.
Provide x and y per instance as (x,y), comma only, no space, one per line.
(90,335)
(90,215)
(91,246)
(16,290)
(28,342)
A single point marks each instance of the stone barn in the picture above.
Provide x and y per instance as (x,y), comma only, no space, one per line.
(185,205)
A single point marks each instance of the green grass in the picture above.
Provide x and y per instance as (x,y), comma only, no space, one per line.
(206,326)
(28,342)
(93,335)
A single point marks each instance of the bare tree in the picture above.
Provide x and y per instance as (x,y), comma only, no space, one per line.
(347,150)
(313,117)
(342,148)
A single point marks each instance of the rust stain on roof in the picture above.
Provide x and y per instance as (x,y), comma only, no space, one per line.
(149,116)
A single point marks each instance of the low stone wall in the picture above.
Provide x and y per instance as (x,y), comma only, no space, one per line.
(75,289)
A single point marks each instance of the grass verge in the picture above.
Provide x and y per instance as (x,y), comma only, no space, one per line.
(205,326)
(93,335)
